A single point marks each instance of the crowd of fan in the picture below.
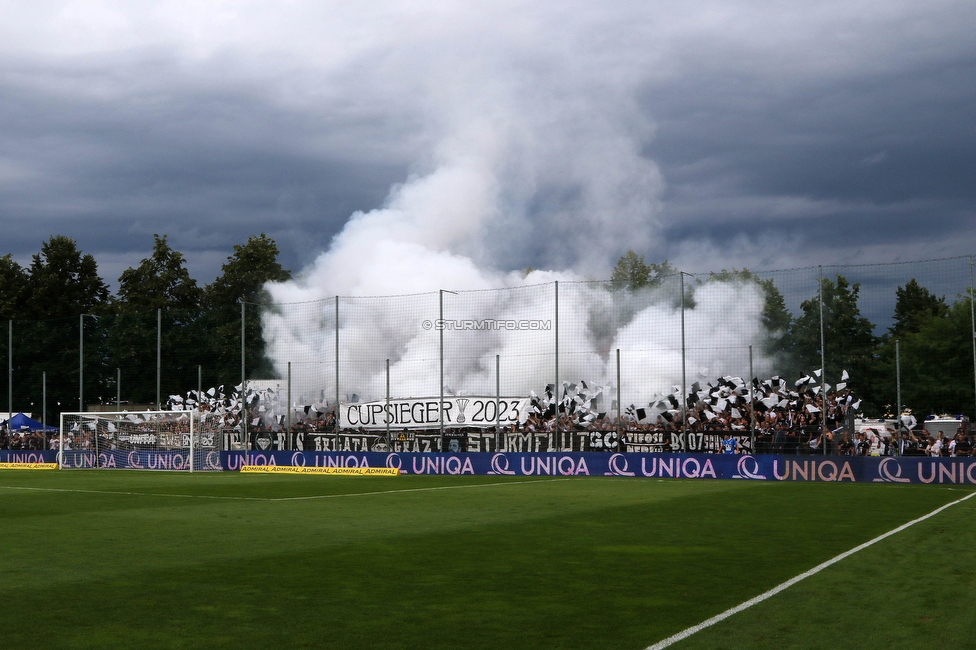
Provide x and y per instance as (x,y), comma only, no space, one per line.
(910,443)
(785,418)
(21,440)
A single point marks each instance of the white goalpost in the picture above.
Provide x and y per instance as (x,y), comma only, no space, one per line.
(159,440)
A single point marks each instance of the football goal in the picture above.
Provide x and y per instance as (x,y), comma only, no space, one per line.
(164,440)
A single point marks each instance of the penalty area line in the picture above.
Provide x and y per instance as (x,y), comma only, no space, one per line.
(684,634)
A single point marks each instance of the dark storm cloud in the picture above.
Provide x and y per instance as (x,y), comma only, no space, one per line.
(208,166)
(852,162)
(762,134)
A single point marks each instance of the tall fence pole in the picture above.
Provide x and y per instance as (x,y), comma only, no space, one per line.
(336,410)
(620,398)
(440,323)
(118,389)
(243,387)
(288,442)
(10,369)
(386,416)
(555,387)
(440,327)
(192,418)
(684,375)
(898,381)
(752,406)
(972,321)
(159,359)
(823,369)
(498,400)
(81,362)
(44,400)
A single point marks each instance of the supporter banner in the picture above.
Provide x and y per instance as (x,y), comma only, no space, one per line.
(941,471)
(16,456)
(423,413)
(518,441)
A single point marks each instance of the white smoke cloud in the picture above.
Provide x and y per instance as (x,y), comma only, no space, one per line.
(533,152)
(524,127)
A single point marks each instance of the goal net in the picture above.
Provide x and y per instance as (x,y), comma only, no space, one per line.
(163,440)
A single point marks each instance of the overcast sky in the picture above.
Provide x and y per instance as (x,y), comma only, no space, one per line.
(558,135)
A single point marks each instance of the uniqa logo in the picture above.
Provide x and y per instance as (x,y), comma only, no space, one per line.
(393,461)
(618,466)
(887,476)
(499,465)
(748,467)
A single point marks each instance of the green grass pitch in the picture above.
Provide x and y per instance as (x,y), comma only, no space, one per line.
(169,560)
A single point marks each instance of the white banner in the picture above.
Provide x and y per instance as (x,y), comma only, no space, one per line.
(423,413)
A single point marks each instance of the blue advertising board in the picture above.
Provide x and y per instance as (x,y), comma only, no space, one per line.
(853,469)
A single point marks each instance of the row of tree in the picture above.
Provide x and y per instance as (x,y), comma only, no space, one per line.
(65,319)
(934,338)
(61,281)
(67,328)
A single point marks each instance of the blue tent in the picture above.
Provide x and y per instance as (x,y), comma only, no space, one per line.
(19,421)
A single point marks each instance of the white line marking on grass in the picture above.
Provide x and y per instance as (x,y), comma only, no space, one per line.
(426,489)
(792,581)
(275,499)
(136,494)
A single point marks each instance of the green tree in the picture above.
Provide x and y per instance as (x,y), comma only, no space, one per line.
(157,298)
(914,305)
(160,281)
(13,288)
(242,279)
(631,272)
(936,354)
(63,282)
(937,362)
(849,338)
(246,272)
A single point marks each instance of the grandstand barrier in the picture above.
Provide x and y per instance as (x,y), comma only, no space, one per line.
(850,469)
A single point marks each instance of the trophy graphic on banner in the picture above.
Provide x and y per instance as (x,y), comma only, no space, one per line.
(461,404)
